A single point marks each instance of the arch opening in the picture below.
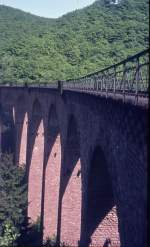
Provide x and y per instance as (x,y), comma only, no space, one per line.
(21,123)
(101,220)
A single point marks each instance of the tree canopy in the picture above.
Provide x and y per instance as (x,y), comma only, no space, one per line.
(36,49)
(13,202)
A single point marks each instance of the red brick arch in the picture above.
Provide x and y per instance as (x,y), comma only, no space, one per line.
(21,125)
(71,187)
(51,174)
(35,161)
(101,220)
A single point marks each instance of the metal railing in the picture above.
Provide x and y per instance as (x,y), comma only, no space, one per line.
(129,77)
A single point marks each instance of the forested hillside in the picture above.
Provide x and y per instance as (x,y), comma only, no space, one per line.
(35,49)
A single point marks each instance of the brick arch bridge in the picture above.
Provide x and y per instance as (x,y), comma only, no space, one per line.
(85,156)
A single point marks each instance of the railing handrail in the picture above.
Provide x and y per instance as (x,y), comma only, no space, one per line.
(130,76)
(139,54)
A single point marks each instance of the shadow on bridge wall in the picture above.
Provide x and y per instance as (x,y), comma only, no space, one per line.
(21,122)
(129,179)
(51,175)
(49,185)
(35,150)
(63,218)
(69,210)
(100,223)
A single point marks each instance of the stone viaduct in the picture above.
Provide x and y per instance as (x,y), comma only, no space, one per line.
(86,163)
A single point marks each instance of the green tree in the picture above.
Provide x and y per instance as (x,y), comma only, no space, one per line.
(13,203)
(35,49)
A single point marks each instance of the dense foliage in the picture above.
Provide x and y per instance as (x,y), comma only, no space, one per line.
(35,49)
(14,228)
(13,201)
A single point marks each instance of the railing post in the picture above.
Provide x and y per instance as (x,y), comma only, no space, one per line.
(97,83)
(60,87)
(91,84)
(137,80)
(101,84)
(106,88)
(85,83)
(73,85)
(124,71)
(114,81)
